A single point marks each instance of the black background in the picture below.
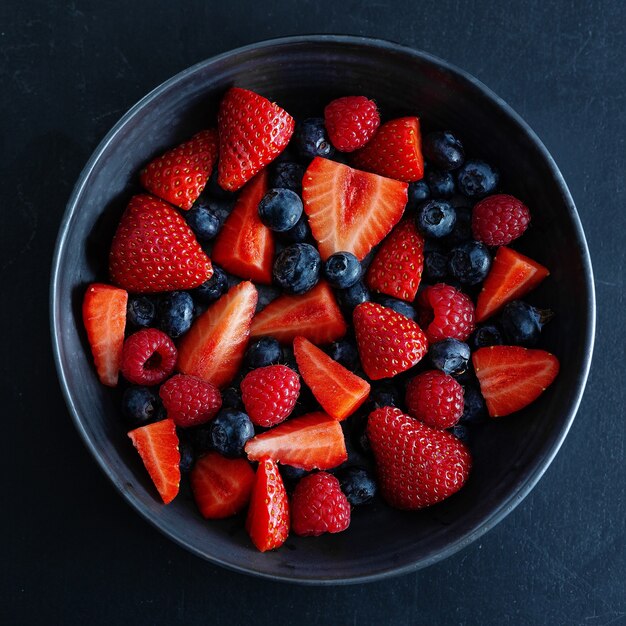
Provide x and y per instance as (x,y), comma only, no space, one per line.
(73,551)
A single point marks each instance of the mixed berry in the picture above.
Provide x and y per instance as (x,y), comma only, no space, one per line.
(309,316)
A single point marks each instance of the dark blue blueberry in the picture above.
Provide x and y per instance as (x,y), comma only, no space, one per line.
(213,288)
(297,268)
(476,179)
(469,262)
(176,313)
(231,398)
(204,222)
(229,431)
(367,260)
(385,394)
(266,294)
(435,218)
(353,296)
(342,270)
(280,209)
(287,175)
(311,139)
(289,359)
(140,311)
(440,183)
(214,190)
(435,266)
(399,306)
(460,432)
(462,230)
(443,149)
(474,408)
(522,323)
(291,476)
(263,352)
(140,406)
(187,456)
(485,336)
(345,352)
(418,193)
(357,484)
(300,233)
(233,280)
(450,356)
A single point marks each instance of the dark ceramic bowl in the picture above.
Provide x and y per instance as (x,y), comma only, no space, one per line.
(302,74)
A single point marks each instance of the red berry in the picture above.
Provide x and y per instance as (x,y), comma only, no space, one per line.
(351,122)
(270,394)
(435,398)
(446,313)
(148,357)
(319,506)
(499,219)
(190,401)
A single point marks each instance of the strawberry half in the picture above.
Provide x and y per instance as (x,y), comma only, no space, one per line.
(511,377)
(313,441)
(314,315)
(339,391)
(154,249)
(397,267)
(104,317)
(395,151)
(157,445)
(245,246)
(253,132)
(180,175)
(512,276)
(214,346)
(350,210)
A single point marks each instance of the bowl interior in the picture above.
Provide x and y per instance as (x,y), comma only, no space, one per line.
(302,74)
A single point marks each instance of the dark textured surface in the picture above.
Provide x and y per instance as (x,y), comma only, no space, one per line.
(75,552)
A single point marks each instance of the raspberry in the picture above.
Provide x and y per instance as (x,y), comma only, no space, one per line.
(446,313)
(190,401)
(351,122)
(148,357)
(499,219)
(435,398)
(319,506)
(270,394)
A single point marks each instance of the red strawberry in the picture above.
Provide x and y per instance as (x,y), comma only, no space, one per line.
(253,132)
(349,210)
(417,466)
(499,219)
(148,357)
(180,175)
(435,398)
(446,313)
(270,394)
(319,506)
(155,250)
(104,317)
(214,346)
(313,441)
(314,315)
(157,445)
(221,487)
(395,151)
(245,246)
(511,377)
(351,122)
(512,276)
(190,401)
(268,516)
(339,391)
(397,267)
(388,342)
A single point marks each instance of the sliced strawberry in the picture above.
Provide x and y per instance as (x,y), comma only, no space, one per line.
(245,246)
(512,276)
(104,316)
(221,487)
(313,441)
(339,391)
(214,346)
(157,445)
(253,132)
(314,315)
(180,175)
(395,151)
(349,210)
(397,267)
(511,377)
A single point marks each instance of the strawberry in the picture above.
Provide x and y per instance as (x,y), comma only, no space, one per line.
(245,246)
(313,441)
(253,132)
(511,377)
(104,317)
(339,391)
(214,346)
(221,487)
(155,250)
(268,516)
(351,122)
(511,277)
(314,315)
(388,342)
(157,445)
(395,151)
(397,267)
(417,466)
(349,210)
(445,313)
(190,401)
(180,175)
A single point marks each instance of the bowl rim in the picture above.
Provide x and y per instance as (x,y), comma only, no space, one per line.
(536,469)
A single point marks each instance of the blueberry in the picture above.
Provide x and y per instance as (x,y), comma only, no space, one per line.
(187,457)
(231,398)
(469,262)
(291,476)
(357,484)
(476,179)
(522,323)
(263,352)
(300,233)
(287,175)
(418,193)
(289,359)
(342,270)
(440,183)
(214,288)
(474,409)
(311,139)
(280,209)
(460,432)
(140,406)
(266,294)
(399,306)
(229,431)
(443,149)
(367,260)
(385,394)
(214,190)
(204,222)
(462,230)
(297,268)
(140,311)
(176,313)
(485,336)
(435,266)
(345,352)
(435,218)
(450,356)
(353,296)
